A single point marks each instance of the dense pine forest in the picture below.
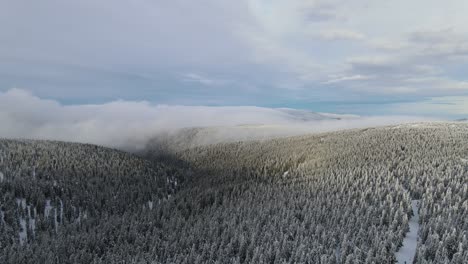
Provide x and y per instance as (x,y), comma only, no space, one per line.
(75,203)
(340,197)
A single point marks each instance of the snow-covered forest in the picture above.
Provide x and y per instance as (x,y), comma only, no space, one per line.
(339,197)
(75,203)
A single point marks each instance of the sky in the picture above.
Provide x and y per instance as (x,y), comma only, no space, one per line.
(360,57)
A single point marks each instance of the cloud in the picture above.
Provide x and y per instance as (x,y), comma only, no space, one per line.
(395,45)
(193,77)
(274,51)
(130,124)
(138,33)
(348,78)
(432,36)
(340,34)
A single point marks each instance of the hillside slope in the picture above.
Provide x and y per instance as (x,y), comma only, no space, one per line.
(74,203)
(281,122)
(342,197)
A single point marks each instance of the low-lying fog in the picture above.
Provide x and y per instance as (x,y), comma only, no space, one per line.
(129,124)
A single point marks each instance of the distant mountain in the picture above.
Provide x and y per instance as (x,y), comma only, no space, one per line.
(305,116)
(462,120)
(288,122)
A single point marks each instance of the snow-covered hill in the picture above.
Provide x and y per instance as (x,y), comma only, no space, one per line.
(336,197)
(281,122)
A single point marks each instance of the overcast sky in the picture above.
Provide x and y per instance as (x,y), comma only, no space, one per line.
(345,56)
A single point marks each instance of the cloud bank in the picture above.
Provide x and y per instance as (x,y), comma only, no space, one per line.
(294,53)
(130,124)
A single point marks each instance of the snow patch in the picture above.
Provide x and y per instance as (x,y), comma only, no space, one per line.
(2,177)
(407,252)
(21,202)
(285,174)
(23,233)
(150,205)
(32,221)
(47,208)
(61,211)
(2,217)
(32,225)
(55,220)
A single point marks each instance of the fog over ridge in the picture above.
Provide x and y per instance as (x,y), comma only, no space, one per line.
(130,124)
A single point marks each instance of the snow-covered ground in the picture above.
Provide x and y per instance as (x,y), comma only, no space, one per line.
(23,233)
(408,250)
(2,217)
(47,208)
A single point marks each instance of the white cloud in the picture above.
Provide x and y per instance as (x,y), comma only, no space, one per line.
(194,77)
(368,49)
(395,43)
(348,78)
(340,34)
(127,124)
(432,36)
